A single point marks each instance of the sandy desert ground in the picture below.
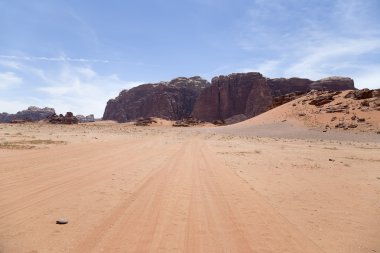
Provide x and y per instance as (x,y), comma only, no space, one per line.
(162,189)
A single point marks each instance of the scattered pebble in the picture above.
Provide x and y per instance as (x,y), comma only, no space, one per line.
(62,221)
(361,119)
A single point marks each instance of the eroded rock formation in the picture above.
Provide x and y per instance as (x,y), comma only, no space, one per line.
(169,100)
(363,94)
(68,119)
(243,94)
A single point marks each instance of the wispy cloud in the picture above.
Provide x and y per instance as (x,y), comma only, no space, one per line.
(9,80)
(339,55)
(9,64)
(54,59)
(337,38)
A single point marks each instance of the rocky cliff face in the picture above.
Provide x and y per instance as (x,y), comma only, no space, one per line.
(250,94)
(231,95)
(283,86)
(170,100)
(33,113)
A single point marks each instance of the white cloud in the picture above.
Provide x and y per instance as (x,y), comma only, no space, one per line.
(369,78)
(331,56)
(65,86)
(268,67)
(80,89)
(9,80)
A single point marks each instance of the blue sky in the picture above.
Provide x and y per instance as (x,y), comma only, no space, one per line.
(74,55)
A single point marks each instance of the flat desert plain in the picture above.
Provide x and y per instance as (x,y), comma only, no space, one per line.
(200,189)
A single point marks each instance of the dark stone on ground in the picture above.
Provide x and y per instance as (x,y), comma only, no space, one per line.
(360,119)
(322,100)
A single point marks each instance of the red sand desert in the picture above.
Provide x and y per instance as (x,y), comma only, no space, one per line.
(274,183)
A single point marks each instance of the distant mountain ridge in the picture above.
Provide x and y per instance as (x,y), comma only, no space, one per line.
(33,113)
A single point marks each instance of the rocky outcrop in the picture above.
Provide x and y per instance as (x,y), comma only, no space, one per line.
(31,114)
(363,94)
(68,119)
(250,94)
(172,100)
(323,98)
(346,110)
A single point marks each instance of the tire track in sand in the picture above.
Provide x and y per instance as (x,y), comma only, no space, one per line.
(193,203)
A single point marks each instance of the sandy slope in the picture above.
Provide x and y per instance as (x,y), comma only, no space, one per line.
(300,120)
(317,117)
(128,189)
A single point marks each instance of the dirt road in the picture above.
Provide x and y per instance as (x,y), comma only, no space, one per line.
(151,195)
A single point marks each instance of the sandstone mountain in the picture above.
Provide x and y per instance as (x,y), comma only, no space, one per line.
(33,113)
(229,98)
(169,100)
(250,94)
